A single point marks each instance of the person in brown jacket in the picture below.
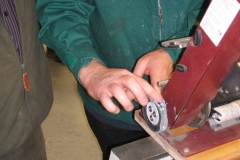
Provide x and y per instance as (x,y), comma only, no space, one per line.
(25,86)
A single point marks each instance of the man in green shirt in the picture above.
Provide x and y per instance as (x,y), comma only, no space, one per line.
(112,49)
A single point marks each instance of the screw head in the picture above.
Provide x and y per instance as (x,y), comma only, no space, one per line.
(186,150)
(226,91)
(220,90)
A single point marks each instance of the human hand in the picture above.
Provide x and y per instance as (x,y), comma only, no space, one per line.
(103,83)
(157,64)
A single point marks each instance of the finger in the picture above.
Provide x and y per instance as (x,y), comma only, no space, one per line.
(150,91)
(108,104)
(121,96)
(130,95)
(136,89)
(139,69)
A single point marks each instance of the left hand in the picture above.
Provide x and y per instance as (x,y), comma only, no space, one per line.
(157,64)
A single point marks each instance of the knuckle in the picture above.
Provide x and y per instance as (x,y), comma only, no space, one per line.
(124,71)
(114,88)
(129,80)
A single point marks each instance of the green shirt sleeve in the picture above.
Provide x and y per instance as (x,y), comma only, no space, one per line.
(65,29)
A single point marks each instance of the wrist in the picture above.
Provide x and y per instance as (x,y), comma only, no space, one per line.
(87,72)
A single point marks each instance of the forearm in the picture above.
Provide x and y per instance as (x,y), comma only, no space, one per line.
(65,29)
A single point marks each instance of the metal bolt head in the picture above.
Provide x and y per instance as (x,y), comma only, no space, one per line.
(150,109)
(151,118)
(226,91)
(236,88)
(220,90)
(154,114)
(215,116)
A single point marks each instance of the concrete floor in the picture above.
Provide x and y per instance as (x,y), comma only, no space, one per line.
(66,130)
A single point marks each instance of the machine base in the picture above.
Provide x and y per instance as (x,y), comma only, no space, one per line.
(203,143)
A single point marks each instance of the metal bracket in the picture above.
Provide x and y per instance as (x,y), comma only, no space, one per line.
(176,43)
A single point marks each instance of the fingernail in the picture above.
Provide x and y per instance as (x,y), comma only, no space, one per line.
(130,108)
(116,111)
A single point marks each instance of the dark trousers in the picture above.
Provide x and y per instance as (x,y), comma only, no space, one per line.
(32,149)
(109,137)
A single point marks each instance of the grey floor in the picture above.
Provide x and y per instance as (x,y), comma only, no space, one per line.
(66,131)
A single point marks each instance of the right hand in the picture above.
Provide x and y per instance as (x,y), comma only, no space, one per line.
(103,83)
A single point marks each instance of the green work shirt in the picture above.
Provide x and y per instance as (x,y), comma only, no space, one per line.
(114,32)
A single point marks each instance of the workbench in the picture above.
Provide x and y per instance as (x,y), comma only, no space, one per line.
(143,149)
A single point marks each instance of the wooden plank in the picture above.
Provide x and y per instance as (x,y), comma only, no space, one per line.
(165,145)
(227,151)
